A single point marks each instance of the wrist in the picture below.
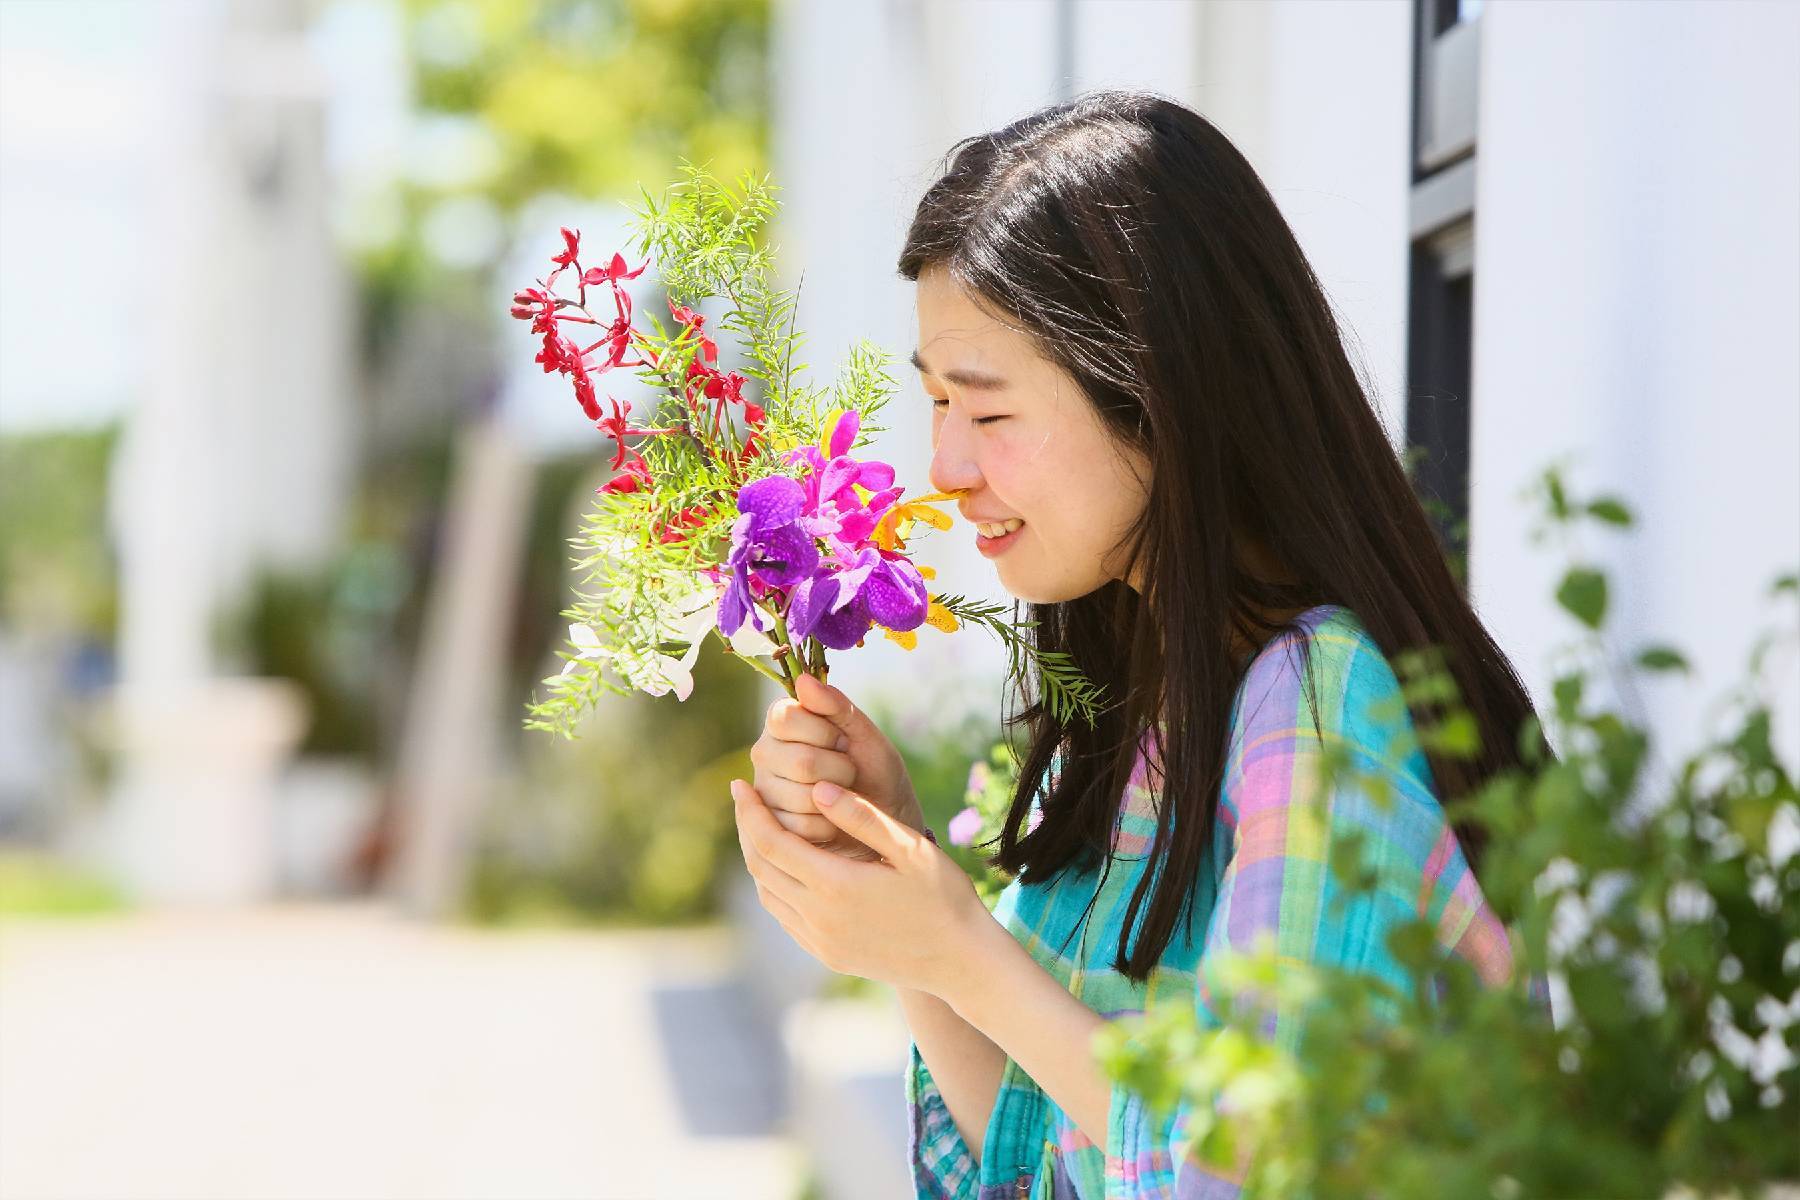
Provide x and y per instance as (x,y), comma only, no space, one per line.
(977,950)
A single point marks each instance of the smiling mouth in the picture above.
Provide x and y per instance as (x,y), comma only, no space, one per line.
(999,529)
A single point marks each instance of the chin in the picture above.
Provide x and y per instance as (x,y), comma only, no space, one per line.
(1031,591)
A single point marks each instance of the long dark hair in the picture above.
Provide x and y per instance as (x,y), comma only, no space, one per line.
(1134,244)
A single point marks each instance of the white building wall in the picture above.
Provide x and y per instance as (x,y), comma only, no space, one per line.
(1316,94)
(1637,302)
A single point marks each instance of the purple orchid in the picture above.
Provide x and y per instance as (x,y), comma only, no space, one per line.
(838,605)
(769,547)
(833,509)
(836,596)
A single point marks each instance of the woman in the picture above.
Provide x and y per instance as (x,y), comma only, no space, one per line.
(1127,352)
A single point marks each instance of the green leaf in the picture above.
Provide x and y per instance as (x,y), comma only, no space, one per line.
(1457,736)
(1583,593)
(1610,509)
(1559,501)
(1662,658)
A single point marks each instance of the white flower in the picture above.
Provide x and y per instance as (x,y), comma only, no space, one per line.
(684,614)
(587,645)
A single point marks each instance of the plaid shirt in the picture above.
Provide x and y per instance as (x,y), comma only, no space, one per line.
(1266,870)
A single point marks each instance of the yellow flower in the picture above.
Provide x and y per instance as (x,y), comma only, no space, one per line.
(896,523)
(936,616)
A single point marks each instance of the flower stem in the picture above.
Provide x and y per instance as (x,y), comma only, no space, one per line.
(781,639)
(786,684)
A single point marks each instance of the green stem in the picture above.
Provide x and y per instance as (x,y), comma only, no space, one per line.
(755,662)
(781,639)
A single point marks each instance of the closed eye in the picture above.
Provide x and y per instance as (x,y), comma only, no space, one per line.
(936,403)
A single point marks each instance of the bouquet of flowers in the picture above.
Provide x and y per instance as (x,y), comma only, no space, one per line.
(777,537)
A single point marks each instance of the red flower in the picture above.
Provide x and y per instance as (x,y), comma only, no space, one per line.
(571,248)
(689,319)
(611,273)
(677,529)
(636,475)
(558,352)
(614,428)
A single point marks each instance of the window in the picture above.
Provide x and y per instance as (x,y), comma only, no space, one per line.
(1440,299)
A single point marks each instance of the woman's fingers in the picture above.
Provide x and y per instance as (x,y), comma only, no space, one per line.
(787,915)
(815,829)
(791,721)
(786,771)
(765,873)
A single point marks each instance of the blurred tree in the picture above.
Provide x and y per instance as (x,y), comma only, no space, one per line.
(520,99)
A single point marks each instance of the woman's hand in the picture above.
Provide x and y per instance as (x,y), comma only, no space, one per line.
(821,736)
(912,920)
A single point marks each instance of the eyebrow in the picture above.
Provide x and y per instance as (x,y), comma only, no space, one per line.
(978,381)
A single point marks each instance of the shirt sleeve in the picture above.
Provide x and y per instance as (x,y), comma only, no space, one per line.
(938,1156)
(942,1167)
(1282,827)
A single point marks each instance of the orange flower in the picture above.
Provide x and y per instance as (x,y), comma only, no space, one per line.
(896,523)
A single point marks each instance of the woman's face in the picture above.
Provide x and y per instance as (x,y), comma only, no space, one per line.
(1014,429)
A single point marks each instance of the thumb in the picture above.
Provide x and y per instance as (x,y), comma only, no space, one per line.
(834,706)
(863,821)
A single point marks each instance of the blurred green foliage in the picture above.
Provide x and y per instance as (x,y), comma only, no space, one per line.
(581,98)
(630,821)
(57,573)
(33,883)
(1667,899)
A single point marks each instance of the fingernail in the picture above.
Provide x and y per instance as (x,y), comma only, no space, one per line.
(827,793)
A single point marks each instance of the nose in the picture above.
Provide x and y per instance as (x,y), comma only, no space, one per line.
(952,467)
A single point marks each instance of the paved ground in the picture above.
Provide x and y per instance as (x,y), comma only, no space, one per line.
(338,1051)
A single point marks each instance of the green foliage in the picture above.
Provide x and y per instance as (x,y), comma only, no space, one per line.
(56,568)
(1452,532)
(34,884)
(630,826)
(1067,693)
(1668,903)
(322,629)
(567,97)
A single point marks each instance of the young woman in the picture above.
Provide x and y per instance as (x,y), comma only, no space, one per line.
(1127,353)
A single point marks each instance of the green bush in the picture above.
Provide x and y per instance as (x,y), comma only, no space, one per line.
(630,821)
(1669,905)
(37,884)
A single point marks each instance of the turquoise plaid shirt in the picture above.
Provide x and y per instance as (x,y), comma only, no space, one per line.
(1266,870)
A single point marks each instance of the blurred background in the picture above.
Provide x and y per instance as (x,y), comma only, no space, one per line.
(292,906)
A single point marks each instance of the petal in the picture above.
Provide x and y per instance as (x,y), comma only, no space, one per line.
(856,527)
(939,617)
(930,516)
(842,630)
(775,500)
(892,600)
(964,827)
(750,643)
(877,476)
(837,477)
(789,555)
(678,676)
(853,580)
(693,626)
(840,431)
(811,598)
